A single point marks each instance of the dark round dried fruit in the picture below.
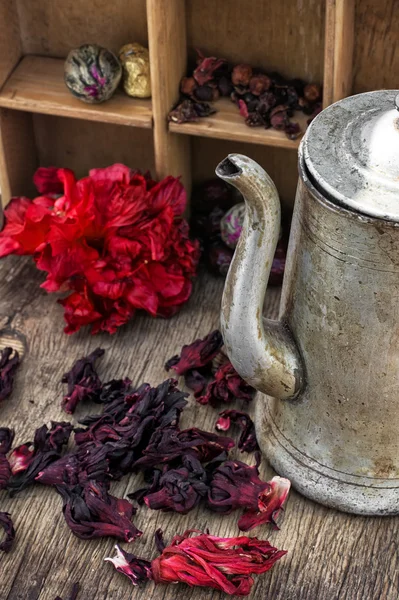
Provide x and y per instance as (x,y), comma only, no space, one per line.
(312,92)
(188,85)
(203,93)
(225,86)
(241,75)
(259,84)
(92,73)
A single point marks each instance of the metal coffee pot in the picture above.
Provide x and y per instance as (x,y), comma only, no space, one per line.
(328,370)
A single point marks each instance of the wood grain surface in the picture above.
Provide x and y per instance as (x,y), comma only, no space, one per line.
(330,556)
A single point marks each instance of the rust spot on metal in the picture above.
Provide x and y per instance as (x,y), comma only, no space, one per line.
(384,467)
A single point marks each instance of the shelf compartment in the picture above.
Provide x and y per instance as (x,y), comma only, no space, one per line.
(228,124)
(37,85)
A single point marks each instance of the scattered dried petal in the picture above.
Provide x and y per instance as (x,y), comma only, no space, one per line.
(91,512)
(235,485)
(224,564)
(247,441)
(270,502)
(159,540)
(26,461)
(136,569)
(180,489)
(206,68)
(227,387)
(198,354)
(8,366)
(83,382)
(7,524)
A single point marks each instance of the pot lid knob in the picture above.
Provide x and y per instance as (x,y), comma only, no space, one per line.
(351,150)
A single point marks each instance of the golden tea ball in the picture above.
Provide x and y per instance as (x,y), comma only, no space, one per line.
(92,73)
(135,62)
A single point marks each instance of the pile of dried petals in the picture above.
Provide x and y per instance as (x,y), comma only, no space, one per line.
(263,99)
(224,564)
(116,240)
(138,430)
(210,386)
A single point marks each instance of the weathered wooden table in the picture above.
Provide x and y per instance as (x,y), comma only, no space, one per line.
(330,555)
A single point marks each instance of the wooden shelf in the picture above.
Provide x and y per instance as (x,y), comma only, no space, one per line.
(228,124)
(37,85)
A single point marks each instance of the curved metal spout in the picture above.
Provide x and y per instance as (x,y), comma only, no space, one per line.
(262,351)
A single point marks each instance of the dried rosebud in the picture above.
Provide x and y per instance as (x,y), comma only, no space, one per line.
(206,93)
(259,84)
(279,121)
(292,130)
(6,438)
(8,366)
(225,86)
(7,524)
(270,502)
(227,387)
(136,569)
(188,85)
(247,441)
(241,75)
(312,92)
(74,593)
(83,381)
(207,68)
(197,354)
(91,512)
(219,258)
(168,444)
(180,489)
(224,564)
(27,461)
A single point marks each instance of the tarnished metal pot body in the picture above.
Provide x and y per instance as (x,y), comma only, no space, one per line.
(338,441)
(328,369)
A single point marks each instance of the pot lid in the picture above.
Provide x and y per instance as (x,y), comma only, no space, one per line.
(351,150)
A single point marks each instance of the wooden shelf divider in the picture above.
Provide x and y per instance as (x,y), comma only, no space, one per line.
(37,85)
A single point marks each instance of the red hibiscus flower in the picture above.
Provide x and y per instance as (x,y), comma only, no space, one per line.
(116,240)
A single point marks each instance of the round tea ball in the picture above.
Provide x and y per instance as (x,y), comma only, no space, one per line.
(92,73)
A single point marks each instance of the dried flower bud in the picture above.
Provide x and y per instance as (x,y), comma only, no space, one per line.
(225,86)
(206,68)
(179,489)
(8,366)
(7,524)
(219,258)
(91,512)
(83,382)
(227,387)
(206,93)
(241,75)
(197,354)
(312,92)
(259,84)
(225,564)
(136,569)
(247,441)
(188,85)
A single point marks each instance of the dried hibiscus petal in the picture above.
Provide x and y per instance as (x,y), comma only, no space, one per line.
(247,441)
(237,485)
(6,438)
(227,387)
(138,570)
(179,489)
(27,461)
(7,524)
(225,564)
(83,382)
(91,512)
(207,66)
(195,355)
(196,380)
(8,366)
(169,443)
